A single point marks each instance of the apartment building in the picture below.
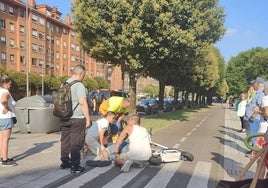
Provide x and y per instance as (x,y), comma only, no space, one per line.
(36,38)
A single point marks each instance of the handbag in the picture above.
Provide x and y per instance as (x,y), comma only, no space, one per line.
(14,119)
(248,183)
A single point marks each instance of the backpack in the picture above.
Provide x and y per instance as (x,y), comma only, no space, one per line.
(62,100)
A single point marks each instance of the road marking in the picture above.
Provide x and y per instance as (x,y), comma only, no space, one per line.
(200,175)
(162,178)
(194,129)
(182,139)
(123,178)
(81,180)
(189,133)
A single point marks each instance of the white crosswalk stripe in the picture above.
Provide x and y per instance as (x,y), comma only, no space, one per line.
(81,180)
(164,175)
(200,175)
(123,178)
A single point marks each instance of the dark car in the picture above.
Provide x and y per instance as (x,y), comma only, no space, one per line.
(109,93)
(167,105)
(147,106)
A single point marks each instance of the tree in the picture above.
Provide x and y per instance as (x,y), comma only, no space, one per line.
(152,90)
(140,35)
(102,83)
(245,67)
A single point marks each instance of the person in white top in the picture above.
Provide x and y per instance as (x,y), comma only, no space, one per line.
(241,110)
(7,119)
(96,139)
(139,149)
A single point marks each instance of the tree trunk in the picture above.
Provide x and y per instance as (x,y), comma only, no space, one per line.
(132,92)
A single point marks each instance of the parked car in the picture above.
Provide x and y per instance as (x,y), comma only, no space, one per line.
(147,106)
(167,105)
(109,93)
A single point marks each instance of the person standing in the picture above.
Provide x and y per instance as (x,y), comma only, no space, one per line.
(73,129)
(99,98)
(241,110)
(253,118)
(7,118)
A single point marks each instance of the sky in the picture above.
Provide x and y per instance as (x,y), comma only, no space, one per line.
(246,24)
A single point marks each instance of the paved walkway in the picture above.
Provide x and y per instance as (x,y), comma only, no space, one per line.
(38,161)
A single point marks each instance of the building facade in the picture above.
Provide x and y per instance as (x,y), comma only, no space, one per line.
(34,38)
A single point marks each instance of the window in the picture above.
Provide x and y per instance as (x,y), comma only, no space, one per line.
(11,10)
(11,26)
(48,38)
(41,62)
(41,49)
(2,7)
(72,58)
(41,35)
(11,43)
(57,55)
(64,44)
(41,21)
(34,61)
(21,44)
(72,33)
(72,46)
(52,40)
(48,13)
(3,56)
(34,33)
(57,42)
(22,29)
(22,13)
(3,40)
(57,29)
(64,56)
(34,18)
(2,24)
(77,48)
(22,62)
(12,58)
(34,48)
(64,31)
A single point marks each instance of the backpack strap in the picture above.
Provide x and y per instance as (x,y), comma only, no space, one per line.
(69,86)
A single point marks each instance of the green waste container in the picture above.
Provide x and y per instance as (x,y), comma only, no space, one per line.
(35,115)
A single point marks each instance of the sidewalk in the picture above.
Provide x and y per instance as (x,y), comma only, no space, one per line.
(234,148)
(38,155)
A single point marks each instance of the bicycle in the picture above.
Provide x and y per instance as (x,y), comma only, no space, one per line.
(166,154)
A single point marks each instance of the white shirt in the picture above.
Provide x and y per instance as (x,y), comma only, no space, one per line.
(263,123)
(139,144)
(11,104)
(97,126)
(241,110)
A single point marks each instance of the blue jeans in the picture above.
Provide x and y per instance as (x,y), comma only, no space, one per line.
(253,128)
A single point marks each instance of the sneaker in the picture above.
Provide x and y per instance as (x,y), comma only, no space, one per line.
(77,169)
(65,165)
(127,165)
(10,159)
(8,163)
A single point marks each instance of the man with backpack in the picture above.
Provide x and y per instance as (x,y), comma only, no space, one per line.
(73,128)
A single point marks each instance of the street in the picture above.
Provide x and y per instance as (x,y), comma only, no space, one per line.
(211,135)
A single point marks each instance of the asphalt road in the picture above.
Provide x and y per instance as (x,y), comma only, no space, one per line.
(211,135)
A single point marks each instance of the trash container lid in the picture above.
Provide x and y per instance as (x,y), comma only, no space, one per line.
(35,101)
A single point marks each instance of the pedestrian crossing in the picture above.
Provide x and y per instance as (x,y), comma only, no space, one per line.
(147,177)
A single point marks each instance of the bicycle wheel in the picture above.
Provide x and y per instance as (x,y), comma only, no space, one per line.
(186,156)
